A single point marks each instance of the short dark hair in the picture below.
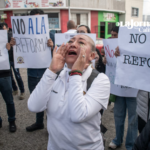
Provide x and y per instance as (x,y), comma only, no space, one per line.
(71,25)
(36,11)
(4,24)
(88,29)
(115,29)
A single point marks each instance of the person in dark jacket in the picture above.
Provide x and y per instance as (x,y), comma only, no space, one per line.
(143,141)
(16,71)
(6,91)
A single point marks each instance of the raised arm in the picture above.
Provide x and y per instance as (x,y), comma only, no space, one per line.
(38,99)
(83,107)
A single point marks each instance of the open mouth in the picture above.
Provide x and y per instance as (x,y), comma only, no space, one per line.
(72,53)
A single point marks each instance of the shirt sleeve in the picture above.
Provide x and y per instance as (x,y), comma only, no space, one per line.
(38,99)
(83,107)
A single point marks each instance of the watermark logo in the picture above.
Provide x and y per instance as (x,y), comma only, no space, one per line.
(141,26)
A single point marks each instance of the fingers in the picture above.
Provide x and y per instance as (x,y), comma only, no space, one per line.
(8,46)
(117,52)
(54,51)
(82,55)
(12,41)
(104,60)
(50,43)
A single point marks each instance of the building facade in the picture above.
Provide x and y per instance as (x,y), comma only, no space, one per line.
(99,15)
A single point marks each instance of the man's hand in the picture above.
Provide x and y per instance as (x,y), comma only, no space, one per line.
(58,60)
(80,63)
(117,52)
(8,46)
(12,42)
(50,43)
(104,60)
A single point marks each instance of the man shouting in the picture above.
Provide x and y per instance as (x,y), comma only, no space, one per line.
(74,98)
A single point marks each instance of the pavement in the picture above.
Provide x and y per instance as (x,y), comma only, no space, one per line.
(37,140)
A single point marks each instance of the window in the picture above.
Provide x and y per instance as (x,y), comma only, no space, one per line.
(135,12)
(110,26)
(53,20)
(80,19)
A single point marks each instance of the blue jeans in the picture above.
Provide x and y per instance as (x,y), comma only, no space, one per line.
(18,78)
(121,105)
(32,82)
(6,90)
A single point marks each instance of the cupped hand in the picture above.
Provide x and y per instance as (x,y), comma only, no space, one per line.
(80,63)
(58,60)
(117,52)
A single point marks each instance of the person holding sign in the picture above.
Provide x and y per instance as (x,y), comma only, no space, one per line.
(34,76)
(16,70)
(6,91)
(121,105)
(72,110)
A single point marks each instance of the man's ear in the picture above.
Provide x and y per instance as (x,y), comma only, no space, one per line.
(92,56)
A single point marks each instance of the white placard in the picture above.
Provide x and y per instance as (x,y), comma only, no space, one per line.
(4,60)
(31,34)
(61,38)
(109,47)
(133,66)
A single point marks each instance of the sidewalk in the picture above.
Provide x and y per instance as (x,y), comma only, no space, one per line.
(22,140)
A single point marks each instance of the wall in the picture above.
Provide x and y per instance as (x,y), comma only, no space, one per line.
(8,20)
(129,5)
(64,19)
(2,3)
(100,4)
(94,21)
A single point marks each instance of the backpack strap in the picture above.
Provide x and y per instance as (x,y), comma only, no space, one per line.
(93,75)
(58,73)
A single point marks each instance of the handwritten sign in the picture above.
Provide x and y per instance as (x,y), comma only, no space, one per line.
(109,47)
(31,34)
(133,66)
(4,61)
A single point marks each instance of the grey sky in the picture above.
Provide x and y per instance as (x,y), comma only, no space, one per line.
(146,7)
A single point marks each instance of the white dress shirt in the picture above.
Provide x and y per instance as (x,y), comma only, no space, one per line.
(73,119)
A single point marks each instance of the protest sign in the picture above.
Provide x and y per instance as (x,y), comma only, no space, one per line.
(4,61)
(61,38)
(109,47)
(133,64)
(31,34)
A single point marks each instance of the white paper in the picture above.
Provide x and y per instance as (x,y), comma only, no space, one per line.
(137,73)
(109,47)
(4,59)
(61,38)
(31,50)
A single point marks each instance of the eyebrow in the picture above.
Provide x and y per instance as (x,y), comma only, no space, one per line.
(82,39)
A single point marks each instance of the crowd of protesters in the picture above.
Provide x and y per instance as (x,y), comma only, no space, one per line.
(74,109)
